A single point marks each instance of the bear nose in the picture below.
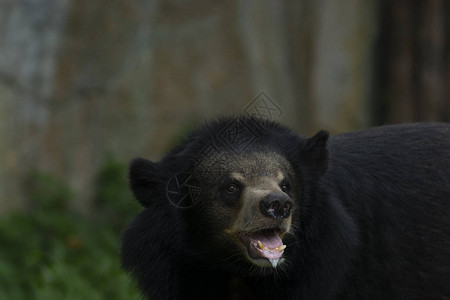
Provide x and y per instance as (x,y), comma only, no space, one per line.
(276,205)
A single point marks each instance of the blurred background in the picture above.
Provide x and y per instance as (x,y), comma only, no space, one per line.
(85,86)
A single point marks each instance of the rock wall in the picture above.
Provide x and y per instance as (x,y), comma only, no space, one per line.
(80,79)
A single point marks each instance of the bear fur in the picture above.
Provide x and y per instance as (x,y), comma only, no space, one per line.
(362,215)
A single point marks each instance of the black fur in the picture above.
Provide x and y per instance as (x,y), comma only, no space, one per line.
(373,217)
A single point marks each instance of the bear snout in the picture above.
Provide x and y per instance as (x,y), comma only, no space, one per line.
(276,205)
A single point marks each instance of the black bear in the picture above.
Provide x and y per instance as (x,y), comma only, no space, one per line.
(245,208)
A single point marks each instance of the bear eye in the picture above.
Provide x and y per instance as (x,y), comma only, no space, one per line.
(284,187)
(232,188)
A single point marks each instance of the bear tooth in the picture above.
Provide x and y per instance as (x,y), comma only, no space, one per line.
(280,248)
(260,245)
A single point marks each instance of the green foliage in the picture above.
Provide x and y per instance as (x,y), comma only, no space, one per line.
(53,253)
(47,192)
(114,199)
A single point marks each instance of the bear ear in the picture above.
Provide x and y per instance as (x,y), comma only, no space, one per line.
(315,153)
(144,176)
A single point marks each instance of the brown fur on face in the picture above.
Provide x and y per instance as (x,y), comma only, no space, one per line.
(249,217)
(259,174)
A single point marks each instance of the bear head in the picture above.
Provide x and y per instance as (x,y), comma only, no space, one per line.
(231,194)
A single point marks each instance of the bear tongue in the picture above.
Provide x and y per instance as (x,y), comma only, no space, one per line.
(268,239)
(267,244)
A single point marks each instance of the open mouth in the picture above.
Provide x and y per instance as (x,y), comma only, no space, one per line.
(265,245)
